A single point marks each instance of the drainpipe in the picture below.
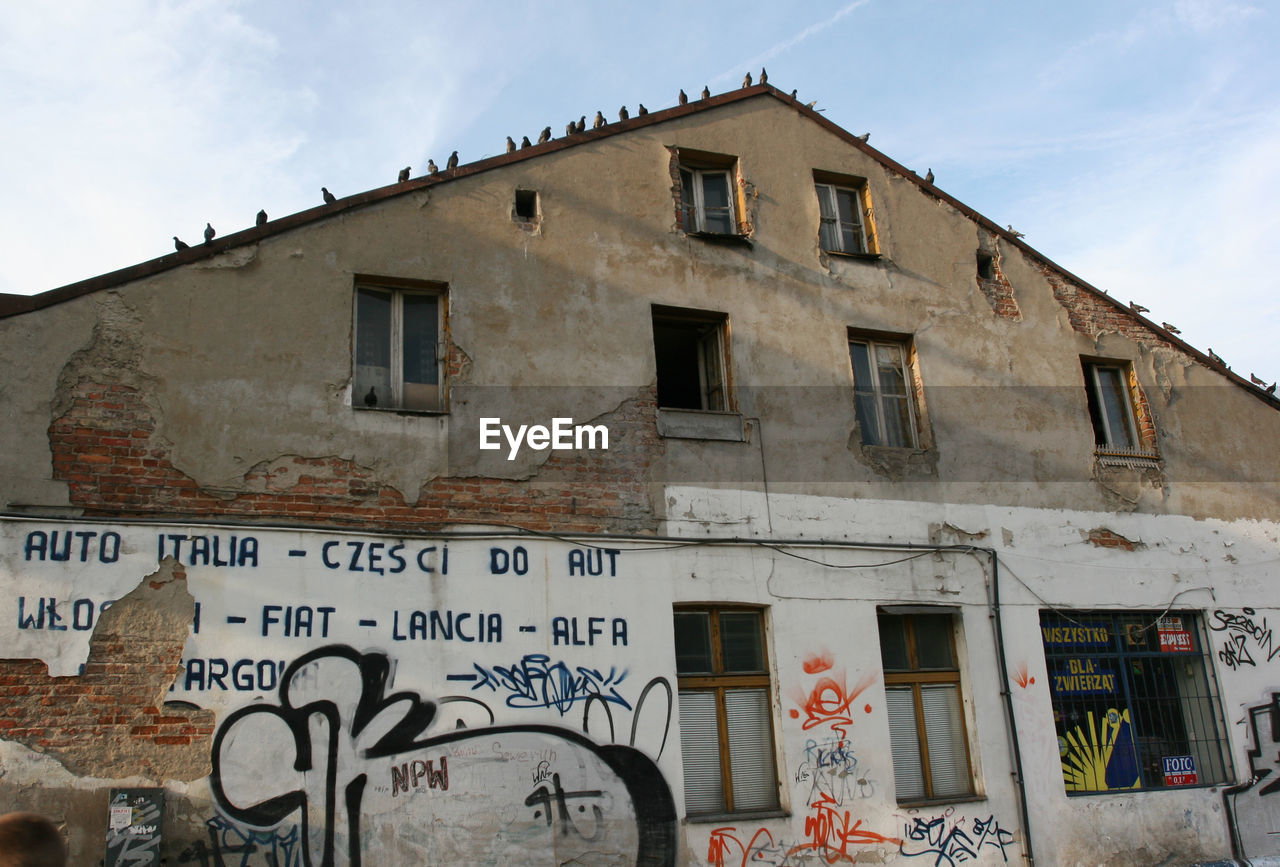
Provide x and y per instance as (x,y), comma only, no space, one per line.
(1007,693)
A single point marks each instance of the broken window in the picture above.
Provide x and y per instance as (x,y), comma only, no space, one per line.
(1133,702)
(726,726)
(397,348)
(689,347)
(1112,397)
(844,208)
(883,391)
(923,699)
(706,192)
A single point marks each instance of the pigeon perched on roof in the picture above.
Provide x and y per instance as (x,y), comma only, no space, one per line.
(1216,357)
(1138,308)
(1270,389)
(262,218)
(623,114)
(431,166)
(706,92)
(453,161)
(404,174)
(928,177)
(863,138)
(545,135)
(371,399)
(746,80)
(1015,232)
(179,244)
(811,103)
(329,198)
(642,109)
(571,127)
(599,121)
(582,124)
(209,232)
(1167,327)
(511,144)
(525,143)
(793,93)
(684,97)
(764,76)
(1253,377)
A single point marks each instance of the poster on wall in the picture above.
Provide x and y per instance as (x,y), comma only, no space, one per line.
(134,818)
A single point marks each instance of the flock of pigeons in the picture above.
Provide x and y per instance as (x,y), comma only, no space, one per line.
(580,125)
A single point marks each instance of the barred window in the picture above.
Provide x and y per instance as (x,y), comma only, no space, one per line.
(1133,701)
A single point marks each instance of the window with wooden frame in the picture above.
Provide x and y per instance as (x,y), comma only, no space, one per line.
(726,727)
(707,193)
(690,350)
(1121,421)
(398,346)
(884,390)
(845,222)
(925,706)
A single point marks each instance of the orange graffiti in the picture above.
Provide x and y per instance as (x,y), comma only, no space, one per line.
(721,838)
(819,662)
(1021,676)
(830,703)
(831,834)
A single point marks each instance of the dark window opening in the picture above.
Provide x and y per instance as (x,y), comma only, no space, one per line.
(986,266)
(526,204)
(689,350)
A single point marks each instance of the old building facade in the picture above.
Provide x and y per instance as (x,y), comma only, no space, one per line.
(706,488)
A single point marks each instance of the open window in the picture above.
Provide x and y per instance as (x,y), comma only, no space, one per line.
(398,330)
(726,721)
(845,218)
(924,701)
(707,193)
(1121,420)
(690,349)
(884,390)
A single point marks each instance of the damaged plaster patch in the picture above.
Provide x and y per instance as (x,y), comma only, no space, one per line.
(1101,537)
(898,464)
(947,533)
(112,356)
(111,721)
(234,258)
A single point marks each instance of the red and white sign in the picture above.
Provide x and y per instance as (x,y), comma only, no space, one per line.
(1173,638)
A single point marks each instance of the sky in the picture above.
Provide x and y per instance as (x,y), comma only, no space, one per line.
(1136,144)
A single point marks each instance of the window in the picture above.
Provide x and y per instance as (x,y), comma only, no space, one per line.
(526,205)
(883,392)
(845,219)
(1132,702)
(1111,390)
(842,229)
(689,347)
(926,717)
(726,734)
(705,185)
(397,348)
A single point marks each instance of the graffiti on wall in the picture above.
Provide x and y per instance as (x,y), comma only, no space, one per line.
(1246,638)
(1252,809)
(327,750)
(950,839)
(232,845)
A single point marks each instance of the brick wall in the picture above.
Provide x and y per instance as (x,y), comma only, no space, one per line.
(104,447)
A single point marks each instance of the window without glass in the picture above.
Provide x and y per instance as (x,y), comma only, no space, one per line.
(843,226)
(689,346)
(726,731)
(1132,700)
(397,349)
(882,392)
(1111,406)
(926,716)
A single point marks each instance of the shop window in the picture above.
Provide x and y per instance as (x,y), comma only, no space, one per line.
(690,350)
(926,713)
(884,391)
(1133,702)
(398,348)
(726,728)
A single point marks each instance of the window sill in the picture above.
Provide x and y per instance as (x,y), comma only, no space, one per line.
(864,257)
(701,424)
(937,802)
(401,410)
(734,240)
(1126,458)
(703,818)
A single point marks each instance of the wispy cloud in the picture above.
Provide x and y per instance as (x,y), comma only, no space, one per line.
(787,44)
